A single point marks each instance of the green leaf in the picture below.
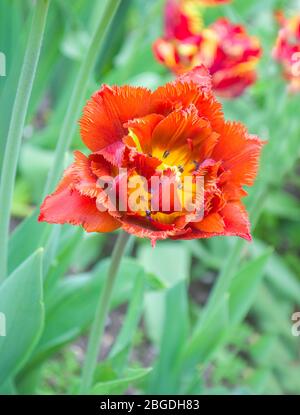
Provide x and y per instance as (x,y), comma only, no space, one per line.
(244,287)
(88,251)
(21,301)
(216,328)
(130,324)
(154,282)
(208,336)
(158,261)
(258,380)
(165,377)
(261,350)
(118,386)
(71,306)
(279,274)
(75,44)
(169,273)
(198,249)
(68,243)
(283,205)
(21,246)
(267,311)
(34,166)
(21,201)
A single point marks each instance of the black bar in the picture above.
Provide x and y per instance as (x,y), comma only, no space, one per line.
(88,405)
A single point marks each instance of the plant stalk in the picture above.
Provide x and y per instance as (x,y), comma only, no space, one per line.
(14,138)
(94,344)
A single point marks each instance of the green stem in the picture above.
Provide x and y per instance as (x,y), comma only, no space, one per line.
(14,138)
(69,125)
(97,329)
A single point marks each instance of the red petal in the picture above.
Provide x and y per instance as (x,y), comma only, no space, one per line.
(176,133)
(69,206)
(182,92)
(166,52)
(83,174)
(199,75)
(142,128)
(102,122)
(181,21)
(227,84)
(99,166)
(235,223)
(208,107)
(138,228)
(239,152)
(211,223)
(236,220)
(84,180)
(141,163)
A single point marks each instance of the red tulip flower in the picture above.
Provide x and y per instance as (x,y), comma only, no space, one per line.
(212,2)
(230,54)
(176,132)
(182,19)
(287,49)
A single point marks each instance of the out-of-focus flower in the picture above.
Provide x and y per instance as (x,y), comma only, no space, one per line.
(212,2)
(287,49)
(174,133)
(182,19)
(228,51)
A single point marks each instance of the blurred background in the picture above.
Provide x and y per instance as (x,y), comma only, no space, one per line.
(166,333)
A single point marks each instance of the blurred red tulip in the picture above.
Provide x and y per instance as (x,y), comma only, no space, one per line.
(230,54)
(212,2)
(182,18)
(287,49)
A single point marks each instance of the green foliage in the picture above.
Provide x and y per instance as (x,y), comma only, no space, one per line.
(118,386)
(21,300)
